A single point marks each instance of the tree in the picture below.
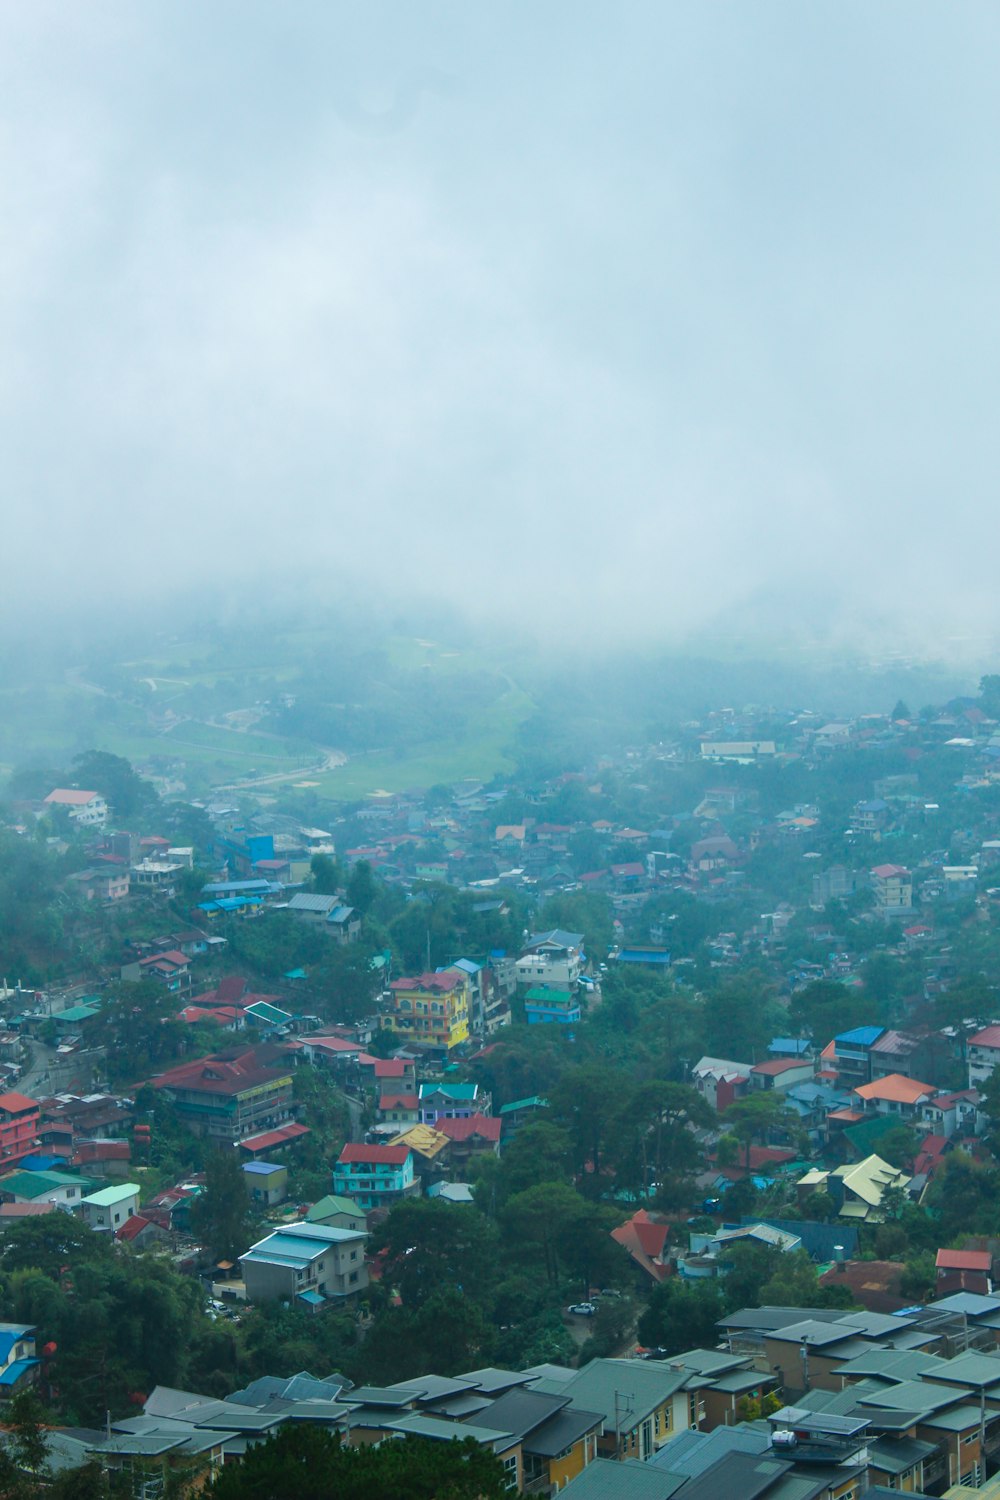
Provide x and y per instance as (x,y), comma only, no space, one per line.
(362,887)
(584,1102)
(824,1008)
(754,1117)
(682,1315)
(431,1246)
(313,1464)
(741,1016)
(222,1215)
(126,792)
(899,1147)
(327,875)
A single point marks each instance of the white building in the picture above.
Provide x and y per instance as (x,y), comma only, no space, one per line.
(88,809)
(109,1209)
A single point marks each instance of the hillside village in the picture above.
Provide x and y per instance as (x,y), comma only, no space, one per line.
(644,1116)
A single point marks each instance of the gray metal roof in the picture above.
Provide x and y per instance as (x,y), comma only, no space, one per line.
(561,1431)
(606,1479)
(624,1391)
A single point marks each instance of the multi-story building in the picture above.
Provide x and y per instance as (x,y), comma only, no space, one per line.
(543,1004)
(983,1054)
(86,809)
(431,1008)
(452,1101)
(311,1264)
(375,1176)
(554,958)
(109,1208)
(230,1095)
(893,888)
(18,1128)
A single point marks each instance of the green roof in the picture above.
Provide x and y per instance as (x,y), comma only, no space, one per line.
(333,1204)
(535,1102)
(458,1091)
(37,1184)
(81,1012)
(865,1136)
(542,995)
(109,1196)
(269,1012)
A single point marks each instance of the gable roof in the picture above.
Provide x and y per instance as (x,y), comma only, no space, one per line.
(896,1088)
(601,1385)
(391,1156)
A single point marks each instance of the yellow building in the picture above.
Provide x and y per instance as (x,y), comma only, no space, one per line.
(431,1008)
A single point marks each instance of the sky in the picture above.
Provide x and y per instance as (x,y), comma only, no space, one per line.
(630,322)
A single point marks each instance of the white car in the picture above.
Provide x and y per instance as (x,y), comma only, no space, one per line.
(582,1309)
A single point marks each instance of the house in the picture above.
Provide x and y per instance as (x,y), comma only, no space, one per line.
(781,1073)
(895,1095)
(452,1101)
(964,1271)
(19,1366)
(644,1404)
(375,1176)
(852,1054)
(893,889)
(311,907)
(140,1233)
(343,924)
(543,1004)
(45,1187)
(955,1114)
(229,1095)
(86,809)
(337,1213)
(172,969)
(111,1207)
(647,1242)
(268,1141)
(720,1081)
(105,884)
(552,958)
(983,1054)
(431,1008)
(472,1135)
(520,1112)
(856,1188)
(18,1127)
(265,1018)
(306,1264)
(398,1109)
(558,1439)
(267,1182)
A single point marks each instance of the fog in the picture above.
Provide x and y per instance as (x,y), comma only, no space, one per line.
(616,323)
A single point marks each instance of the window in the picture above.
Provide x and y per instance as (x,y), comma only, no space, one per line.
(354,1255)
(352,1278)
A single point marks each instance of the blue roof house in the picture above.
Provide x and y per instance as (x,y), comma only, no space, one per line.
(19,1366)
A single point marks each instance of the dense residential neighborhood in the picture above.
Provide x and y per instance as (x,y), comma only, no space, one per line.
(643,1116)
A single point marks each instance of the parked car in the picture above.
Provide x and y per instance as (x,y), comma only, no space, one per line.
(582,1309)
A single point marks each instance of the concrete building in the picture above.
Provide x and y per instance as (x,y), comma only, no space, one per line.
(311,1264)
(108,1209)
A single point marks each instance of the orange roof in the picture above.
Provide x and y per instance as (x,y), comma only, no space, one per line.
(896,1088)
(71,797)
